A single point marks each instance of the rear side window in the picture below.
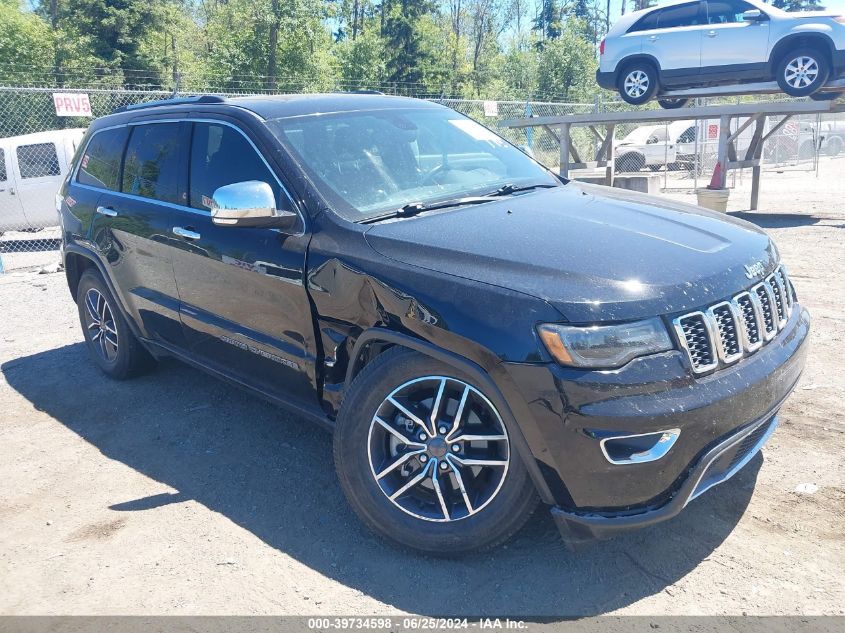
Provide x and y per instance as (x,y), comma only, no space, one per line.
(220,155)
(151,168)
(38,160)
(2,166)
(100,164)
(684,15)
(646,23)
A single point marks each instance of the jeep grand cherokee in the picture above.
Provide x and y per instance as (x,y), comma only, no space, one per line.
(479,334)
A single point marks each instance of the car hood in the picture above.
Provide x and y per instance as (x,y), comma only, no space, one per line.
(594,253)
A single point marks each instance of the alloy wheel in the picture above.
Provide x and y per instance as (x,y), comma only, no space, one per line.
(99,322)
(438,449)
(801,71)
(636,84)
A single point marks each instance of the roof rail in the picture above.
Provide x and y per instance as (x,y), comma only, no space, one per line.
(168,102)
(365,91)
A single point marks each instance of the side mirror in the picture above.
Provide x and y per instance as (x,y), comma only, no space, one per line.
(754,15)
(249,204)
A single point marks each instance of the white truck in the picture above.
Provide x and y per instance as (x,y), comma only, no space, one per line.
(32,168)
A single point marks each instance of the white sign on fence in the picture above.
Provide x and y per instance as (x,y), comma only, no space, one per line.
(71,104)
(491,108)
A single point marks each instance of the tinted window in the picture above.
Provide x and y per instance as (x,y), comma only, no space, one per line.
(726,12)
(151,168)
(684,15)
(36,161)
(220,155)
(100,164)
(646,23)
(2,166)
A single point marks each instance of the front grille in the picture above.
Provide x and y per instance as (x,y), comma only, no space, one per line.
(697,337)
(726,331)
(764,297)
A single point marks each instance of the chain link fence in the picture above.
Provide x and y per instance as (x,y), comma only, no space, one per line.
(37,146)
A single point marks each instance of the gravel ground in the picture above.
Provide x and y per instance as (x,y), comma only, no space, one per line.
(177,494)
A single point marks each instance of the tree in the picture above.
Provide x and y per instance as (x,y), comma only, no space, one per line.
(114,31)
(798,5)
(567,66)
(402,32)
(361,60)
(26,43)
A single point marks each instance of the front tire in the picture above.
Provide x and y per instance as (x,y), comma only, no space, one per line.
(802,72)
(426,460)
(638,83)
(110,342)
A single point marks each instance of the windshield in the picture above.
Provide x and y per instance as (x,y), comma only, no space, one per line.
(367,163)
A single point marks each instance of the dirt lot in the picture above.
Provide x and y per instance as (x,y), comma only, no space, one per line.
(177,494)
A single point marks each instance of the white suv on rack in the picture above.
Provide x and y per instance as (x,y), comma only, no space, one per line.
(711,42)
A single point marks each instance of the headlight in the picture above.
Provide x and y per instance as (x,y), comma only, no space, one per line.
(604,346)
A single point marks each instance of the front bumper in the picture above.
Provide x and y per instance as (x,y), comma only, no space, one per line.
(716,466)
(571,410)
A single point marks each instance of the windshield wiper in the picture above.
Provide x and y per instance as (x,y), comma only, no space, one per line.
(508,189)
(415,208)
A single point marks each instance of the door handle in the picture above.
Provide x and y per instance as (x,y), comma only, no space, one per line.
(653,38)
(107,211)
(186,233)
(711,33)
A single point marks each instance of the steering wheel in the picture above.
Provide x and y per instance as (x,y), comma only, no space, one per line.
(442,168)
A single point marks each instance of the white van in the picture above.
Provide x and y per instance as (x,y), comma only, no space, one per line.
(32,168)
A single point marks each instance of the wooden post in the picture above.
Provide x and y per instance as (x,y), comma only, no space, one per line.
(756,171)
(611,163)
(564,150)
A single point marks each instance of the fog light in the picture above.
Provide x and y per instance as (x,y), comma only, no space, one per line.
(638,449)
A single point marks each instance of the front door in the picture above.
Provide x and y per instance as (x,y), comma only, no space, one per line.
(733,49)
(11,211)
(244,305)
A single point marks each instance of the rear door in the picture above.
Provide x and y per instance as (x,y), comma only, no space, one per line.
(732,48)
(245,308)
(39,177)
(11,211)
(133,218)
(673,37)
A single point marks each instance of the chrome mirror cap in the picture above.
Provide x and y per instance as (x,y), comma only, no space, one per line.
(752,15)
(249,203)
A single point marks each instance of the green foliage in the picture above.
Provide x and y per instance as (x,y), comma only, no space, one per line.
(798,5)
(25,42)
(461,48)
(567,66)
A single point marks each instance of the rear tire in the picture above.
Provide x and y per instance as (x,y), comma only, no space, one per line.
(802,72)
(834,146)
(380,451)
(672,104)
(638,83)
(111,344)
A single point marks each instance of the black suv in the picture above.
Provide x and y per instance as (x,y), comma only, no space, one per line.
(478,333)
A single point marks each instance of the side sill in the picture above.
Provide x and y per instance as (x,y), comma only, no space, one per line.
(311,414)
